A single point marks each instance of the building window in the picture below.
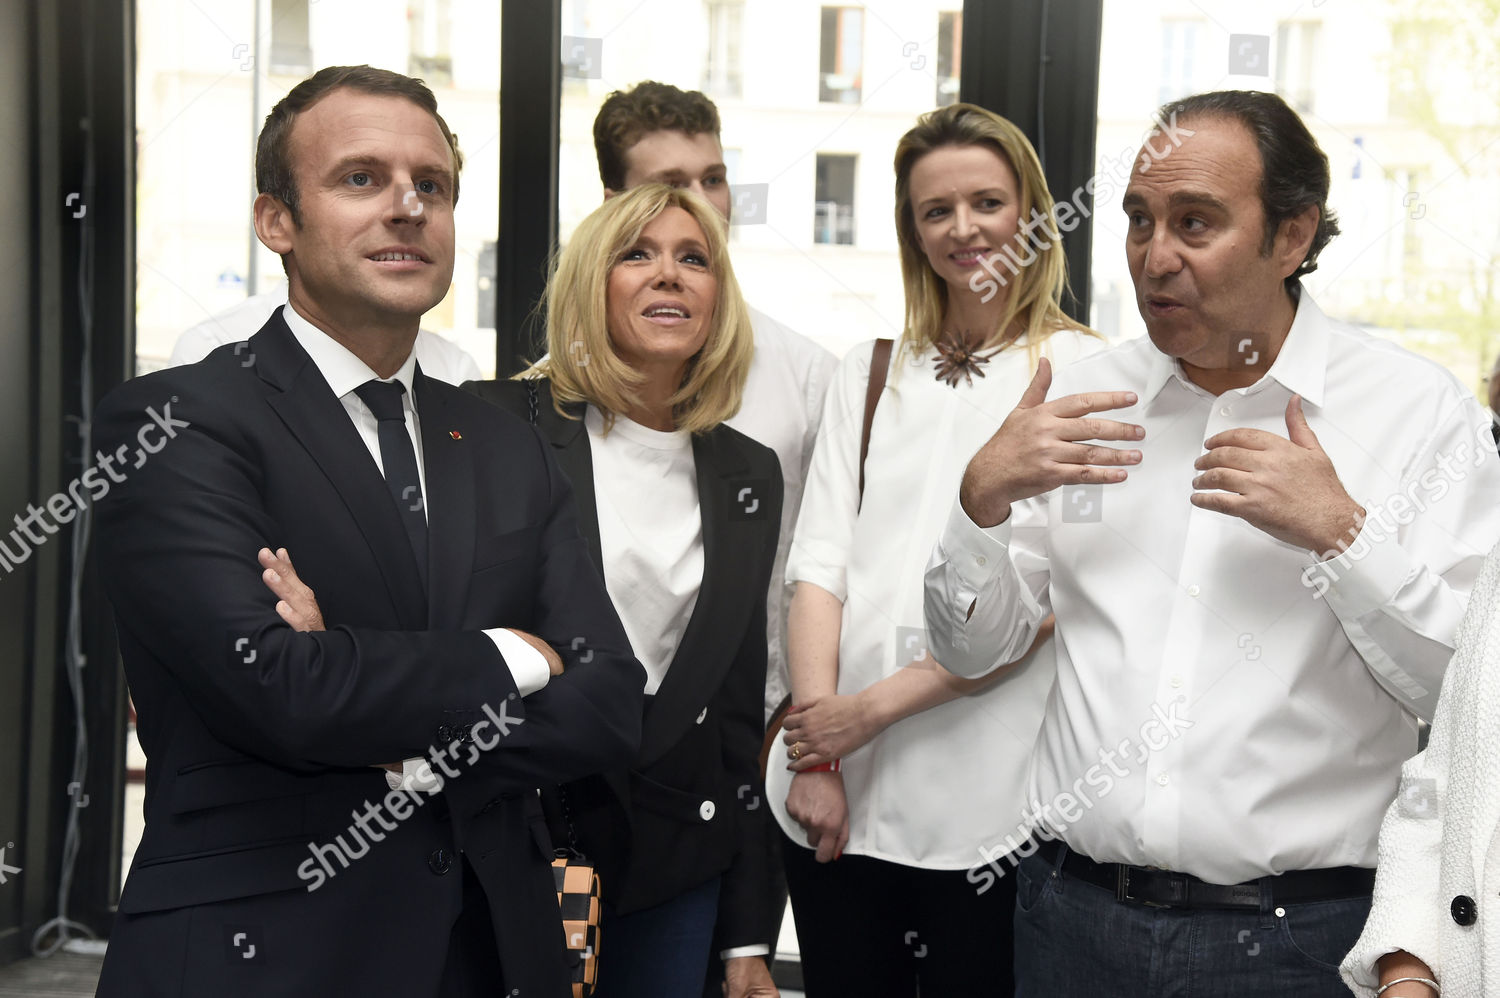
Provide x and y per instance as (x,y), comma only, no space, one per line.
(430,28)
(1296,52)
(1181,50)
(833,208)
(721,72)
(841,55)
(949,55)
(291,55)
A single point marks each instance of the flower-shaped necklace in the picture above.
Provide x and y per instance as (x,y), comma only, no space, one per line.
(956,358)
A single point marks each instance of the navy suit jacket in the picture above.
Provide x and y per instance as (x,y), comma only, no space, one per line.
(260,740)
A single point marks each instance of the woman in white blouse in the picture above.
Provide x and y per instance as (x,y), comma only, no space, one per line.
(649,344)
(908,791)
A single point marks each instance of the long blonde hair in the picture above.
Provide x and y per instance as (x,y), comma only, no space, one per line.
(1036,291)
(581,360)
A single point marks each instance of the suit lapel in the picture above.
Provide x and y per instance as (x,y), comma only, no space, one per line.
(702,657)
(570,443)
(451,515)
(319,422)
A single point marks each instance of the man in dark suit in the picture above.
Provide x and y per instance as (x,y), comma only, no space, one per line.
(466,621)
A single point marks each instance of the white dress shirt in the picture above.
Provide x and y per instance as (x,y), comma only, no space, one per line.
(345,372)
(1254,703)
(439,358)
(932,788)
(781,409)
(650,534)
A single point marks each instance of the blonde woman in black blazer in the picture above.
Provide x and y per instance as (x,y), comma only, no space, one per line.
(649,340)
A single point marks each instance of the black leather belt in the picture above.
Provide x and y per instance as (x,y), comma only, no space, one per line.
(1166,889)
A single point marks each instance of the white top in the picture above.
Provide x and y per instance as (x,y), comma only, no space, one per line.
(1265,699)
(650,534)
(782,406)
(1437,842)
(439,358)
(930,789)
(345,372)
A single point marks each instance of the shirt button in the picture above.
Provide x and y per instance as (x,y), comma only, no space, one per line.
(706,810)
(1176,682)
(981,561)
(1193,590)
(1224,411)
(1161,780)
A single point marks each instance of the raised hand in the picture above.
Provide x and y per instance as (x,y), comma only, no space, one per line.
(1039,448)
(1286,487)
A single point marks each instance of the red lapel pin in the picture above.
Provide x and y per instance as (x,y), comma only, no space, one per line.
(455,435)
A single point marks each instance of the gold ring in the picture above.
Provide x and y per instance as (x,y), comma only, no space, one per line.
(796,752)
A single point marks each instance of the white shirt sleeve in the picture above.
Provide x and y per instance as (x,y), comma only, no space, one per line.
(980,611)
(528,667)
(830,501)
(1394,606)
(738,951)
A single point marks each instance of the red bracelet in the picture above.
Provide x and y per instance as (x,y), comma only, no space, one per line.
(824,767)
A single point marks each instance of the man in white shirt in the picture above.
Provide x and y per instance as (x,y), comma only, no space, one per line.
(655,132)
(1257,555)
(271,833)
(440,358)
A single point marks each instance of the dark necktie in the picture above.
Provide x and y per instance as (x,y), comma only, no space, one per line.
(399,459)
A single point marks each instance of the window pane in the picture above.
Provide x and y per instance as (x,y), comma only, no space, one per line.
(833,210)
(1405,107)
(196,118)
(950,55)
(842,55)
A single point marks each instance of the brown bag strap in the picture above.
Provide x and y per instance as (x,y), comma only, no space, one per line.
(880,362)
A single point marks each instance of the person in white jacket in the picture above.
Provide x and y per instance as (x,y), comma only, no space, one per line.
(1437,886)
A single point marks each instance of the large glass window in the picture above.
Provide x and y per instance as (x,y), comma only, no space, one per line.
(204,84)
(1408,113)
(813,238)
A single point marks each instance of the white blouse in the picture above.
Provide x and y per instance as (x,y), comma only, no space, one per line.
(650,534)
(933,789)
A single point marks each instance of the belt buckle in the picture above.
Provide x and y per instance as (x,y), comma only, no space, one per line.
(1122,888)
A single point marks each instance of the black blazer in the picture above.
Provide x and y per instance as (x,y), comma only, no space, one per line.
(259,740)
(690,805)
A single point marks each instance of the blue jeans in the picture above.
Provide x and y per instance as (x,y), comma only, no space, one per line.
(1074,940)
(659,952)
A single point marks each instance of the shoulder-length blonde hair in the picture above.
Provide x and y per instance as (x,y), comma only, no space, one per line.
(1035,292)
(581,360)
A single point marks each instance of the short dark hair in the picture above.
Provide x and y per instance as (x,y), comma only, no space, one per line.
(1293,167)
(273,165)
(627,115)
